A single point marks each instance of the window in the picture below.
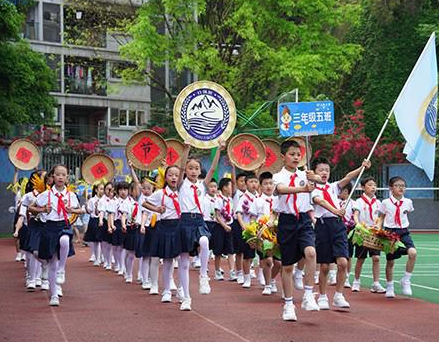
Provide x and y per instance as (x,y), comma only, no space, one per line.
(54,62)
(31,25)
(117,68)
(126,118)
(51,23)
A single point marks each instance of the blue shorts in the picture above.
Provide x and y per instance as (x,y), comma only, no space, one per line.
(238,243)
(294,236)
(331,240)
(405,238)
(362,252)
(221,240)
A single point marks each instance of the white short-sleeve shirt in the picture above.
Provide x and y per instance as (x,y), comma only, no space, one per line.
(162,197)
(50,197)
(286,201)
(26,201)
(92,205)
(334,191)
(388,208)
(265,205)
(209,208)
(365,211)
(225,206)
(187,197)
(247,206)
(348,218)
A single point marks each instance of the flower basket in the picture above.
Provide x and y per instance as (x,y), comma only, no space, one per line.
(375,238)
(261,235)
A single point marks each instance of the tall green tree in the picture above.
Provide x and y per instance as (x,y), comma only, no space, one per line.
(257,49)
(25,78)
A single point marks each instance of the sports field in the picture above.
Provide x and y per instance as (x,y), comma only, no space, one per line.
(425,280)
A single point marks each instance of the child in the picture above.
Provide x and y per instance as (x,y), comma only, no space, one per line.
(165,242)
(209,210)
(331,236)
(192,228)
(348,220)
(245,212)
(295,231)
(55,205)
(266,204)
(104,235)
(366,211)
(393,217)
(239,188)
(92,235)
(222,231)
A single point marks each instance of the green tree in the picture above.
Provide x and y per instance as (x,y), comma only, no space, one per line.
(256,49)
(25,79)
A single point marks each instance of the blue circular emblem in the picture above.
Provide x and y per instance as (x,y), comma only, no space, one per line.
(430,117)
(205,114)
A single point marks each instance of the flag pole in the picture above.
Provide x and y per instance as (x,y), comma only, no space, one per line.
(432,36)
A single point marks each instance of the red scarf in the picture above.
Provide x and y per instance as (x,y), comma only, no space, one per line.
(61,207)
(174,197)
(398,205)
(292,180)
(370,204)
(197,200)
(270,201)
(326,195)
(227,201)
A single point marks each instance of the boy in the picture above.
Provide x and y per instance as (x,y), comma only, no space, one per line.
(222,232)
(266,204)
(295,232)
(331,236)
(245,212)
(366,211)
(393,217)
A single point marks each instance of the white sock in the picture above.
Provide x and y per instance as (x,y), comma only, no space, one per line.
(390,283)
(308,290)
(407,276)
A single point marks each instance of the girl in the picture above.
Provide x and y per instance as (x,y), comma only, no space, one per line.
(92,235)
(55,205)
(165,242)
(192,228)
(104,234)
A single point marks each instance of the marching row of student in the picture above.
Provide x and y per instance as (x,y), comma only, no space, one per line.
(190,215)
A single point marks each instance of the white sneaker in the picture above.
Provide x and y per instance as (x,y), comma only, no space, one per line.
(146,285)
(204,285)
(186,304)
(261,278)
(18,257)
(108,268)
(60,277)
(116,269)
(240,279)
(96,263)
(377,289)
(298,282)
(31,286)
(340,302)
(273,286)
(347,284)
(323,303)
(356,286)
(197,262)
(232,276)
(316,279)
(129,280)
(38,282)
(267,290)
(92,258)
(173,286)
(332,279)
(105,265)
(44,285)
(59,290)
(167,297)
(54,301)
(289,313)
(309,303)
(247,281)
(120,273)
(390,292)
(218,275)
(154,289)
(406,287)
(252,274)
(180,294)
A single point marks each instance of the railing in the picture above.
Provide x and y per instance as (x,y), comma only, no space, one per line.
(86,133)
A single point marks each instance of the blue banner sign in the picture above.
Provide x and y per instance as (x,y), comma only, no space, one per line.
(306,118)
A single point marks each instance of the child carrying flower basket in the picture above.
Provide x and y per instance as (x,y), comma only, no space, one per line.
(261,235)
(375,238)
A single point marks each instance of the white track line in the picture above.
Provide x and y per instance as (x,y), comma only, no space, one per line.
(416,285)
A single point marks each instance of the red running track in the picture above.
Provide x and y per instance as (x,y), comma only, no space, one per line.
(98,306)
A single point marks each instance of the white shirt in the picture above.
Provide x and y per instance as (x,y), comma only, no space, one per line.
(91,206)
(247,207)
(162,197)
(225,206)
(263,205)
(334,191)
(50,197)
(26,201)
(364,212)
(149,213)
(209,208)
(187,197)
(128,207)
(286,201)
(388,208)
(348,218)
(236,198)
(103,204)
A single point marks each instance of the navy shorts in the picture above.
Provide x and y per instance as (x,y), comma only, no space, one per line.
(331,240)
(238,243)
(406,239)
(362,252)
(294,235)
(221,240)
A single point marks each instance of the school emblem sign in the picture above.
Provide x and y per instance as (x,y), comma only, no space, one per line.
(204,112)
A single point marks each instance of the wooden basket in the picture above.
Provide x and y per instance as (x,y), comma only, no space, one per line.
(372,242)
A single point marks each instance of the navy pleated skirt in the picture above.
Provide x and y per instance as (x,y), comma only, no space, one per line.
(130,240)
(117,236)
(92,235)
(49,241)
(106,236)
(191,228)
(23,238)
(148,238)
(165,242)
(34,230)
